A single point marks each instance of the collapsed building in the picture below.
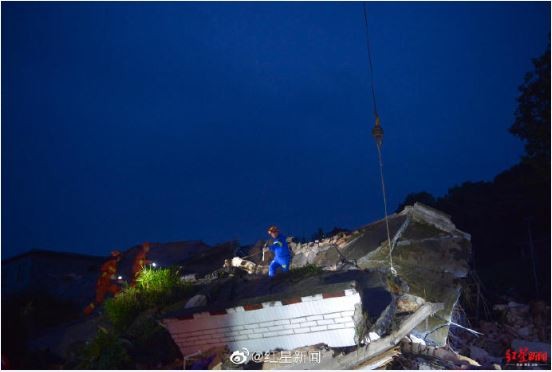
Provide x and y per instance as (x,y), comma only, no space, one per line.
(352,300)
(366,295)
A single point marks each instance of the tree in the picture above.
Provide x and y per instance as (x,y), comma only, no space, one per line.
(532,121)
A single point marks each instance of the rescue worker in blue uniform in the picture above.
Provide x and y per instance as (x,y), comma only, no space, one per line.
(282,255)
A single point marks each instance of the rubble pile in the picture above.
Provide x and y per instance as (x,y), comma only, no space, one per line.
(421,271)
(518,327)
(428,253)
(355,300)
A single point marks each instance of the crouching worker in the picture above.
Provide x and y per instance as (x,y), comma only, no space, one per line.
(282,255)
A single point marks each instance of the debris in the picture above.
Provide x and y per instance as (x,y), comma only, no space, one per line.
(380,360)
(320,308)
(373,336)
(437,352)
(188,278)
(409,303)
(429,255)
(373,349)
(212,358)
(247,266)
(196,301)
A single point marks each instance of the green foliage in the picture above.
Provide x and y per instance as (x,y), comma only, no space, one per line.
(159,286)
(106,351)
(532,123)
(123,308)
(131,314)
(154,288)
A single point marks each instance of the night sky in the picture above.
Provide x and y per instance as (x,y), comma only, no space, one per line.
(131,122)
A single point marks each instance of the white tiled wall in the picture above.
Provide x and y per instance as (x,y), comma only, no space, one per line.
(314,320)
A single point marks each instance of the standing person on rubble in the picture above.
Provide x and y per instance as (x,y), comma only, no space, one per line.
(139,262)
(105,283)
(282,255)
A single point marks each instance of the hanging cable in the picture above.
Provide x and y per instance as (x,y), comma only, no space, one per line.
(374,105)
(377,133)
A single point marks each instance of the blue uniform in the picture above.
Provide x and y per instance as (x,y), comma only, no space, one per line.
(282,255)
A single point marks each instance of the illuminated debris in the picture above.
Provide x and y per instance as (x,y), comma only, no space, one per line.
(429,253)
(196,301)
(330,308)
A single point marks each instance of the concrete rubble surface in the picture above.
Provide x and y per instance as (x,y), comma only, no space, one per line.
(399,299)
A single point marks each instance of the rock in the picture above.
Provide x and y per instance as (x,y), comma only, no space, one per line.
(409,303)
(196,301)
(373,336)
(416,340)
(189,278)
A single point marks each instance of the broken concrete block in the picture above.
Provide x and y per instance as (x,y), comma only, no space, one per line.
(428,253)
(188,278)
(326,308)
(196,301)
(409,303)
(259,328)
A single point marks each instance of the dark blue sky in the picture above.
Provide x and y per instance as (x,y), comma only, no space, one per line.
(127,122)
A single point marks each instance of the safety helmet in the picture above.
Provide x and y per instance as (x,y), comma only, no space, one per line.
(273,229)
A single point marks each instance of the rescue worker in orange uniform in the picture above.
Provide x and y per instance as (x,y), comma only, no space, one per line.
(105,284)
(139,262)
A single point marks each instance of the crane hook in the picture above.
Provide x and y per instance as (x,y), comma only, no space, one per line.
(377,132)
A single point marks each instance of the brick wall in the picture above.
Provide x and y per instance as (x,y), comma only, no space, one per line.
(288,324)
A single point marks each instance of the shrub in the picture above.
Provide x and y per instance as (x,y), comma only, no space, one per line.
(154,288)
(160,286)
(123,308)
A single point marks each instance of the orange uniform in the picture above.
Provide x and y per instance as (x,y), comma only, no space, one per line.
(104,285)
(139,262)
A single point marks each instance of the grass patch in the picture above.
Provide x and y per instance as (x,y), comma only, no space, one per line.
(155,288)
